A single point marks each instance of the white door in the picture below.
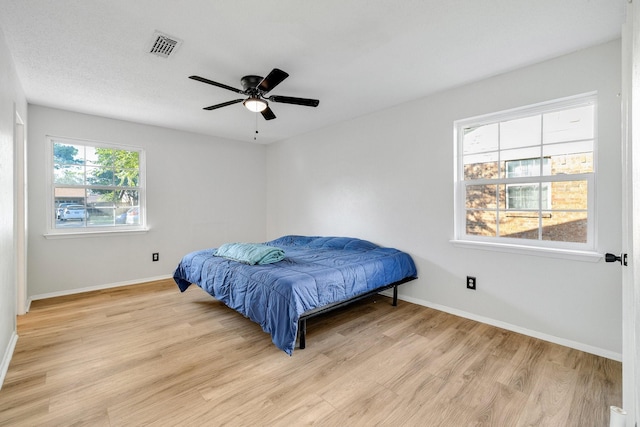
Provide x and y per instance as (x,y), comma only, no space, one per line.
(631,215)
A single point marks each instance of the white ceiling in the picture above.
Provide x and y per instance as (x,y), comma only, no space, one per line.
(356,56)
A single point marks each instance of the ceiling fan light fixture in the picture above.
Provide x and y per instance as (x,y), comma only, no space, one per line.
(254,104)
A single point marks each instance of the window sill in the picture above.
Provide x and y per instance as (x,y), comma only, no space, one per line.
(101,233)
(570,254)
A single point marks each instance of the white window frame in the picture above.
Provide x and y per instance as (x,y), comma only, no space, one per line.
(571,250)
(56,233)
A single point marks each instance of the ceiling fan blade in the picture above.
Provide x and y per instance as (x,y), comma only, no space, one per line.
(224,104)
(297,101)
(275,77)
(211,82)
(268,114)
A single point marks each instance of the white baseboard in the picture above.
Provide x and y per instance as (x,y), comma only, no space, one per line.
(95,288)
(6,359)
(504,325)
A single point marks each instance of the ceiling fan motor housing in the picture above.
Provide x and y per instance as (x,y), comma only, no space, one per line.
(250,82)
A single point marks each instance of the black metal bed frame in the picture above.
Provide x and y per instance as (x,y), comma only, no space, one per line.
(302,321)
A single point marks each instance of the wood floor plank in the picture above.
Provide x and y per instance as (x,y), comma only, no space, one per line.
(148,354)
(549,402)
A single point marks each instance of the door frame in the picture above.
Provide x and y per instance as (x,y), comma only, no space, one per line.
(20,212)
(631,213)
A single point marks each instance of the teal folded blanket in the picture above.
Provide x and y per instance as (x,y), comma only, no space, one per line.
(250,253)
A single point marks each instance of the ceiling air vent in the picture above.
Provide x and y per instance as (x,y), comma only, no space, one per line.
(163,45)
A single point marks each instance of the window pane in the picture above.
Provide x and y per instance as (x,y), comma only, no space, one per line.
(100,214)
(129,197)
(565,227)
(481,196)
(126,159)
(520,154)
(69,175)
(71,215)
(100,207)
(569,195)
(481,222)
(570,158)
(99,176)
(100,156)
(527,196)
(97,196)
(64,197)
(519,133)
(480,139)
(126,177)
(527,167)
(519,224)
(132,216)
(481,166)
(68,154)
(569,125)
(568,148)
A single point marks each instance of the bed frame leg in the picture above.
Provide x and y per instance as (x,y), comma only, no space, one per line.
(395,296)
(302,327)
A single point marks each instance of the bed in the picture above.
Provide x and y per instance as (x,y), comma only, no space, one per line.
(316,274)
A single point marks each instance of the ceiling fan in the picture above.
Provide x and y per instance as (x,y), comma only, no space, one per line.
(256,88)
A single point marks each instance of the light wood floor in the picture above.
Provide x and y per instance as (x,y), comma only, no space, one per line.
(149,355)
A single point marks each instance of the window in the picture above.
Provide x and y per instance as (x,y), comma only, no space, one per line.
(95,187)
(526,176)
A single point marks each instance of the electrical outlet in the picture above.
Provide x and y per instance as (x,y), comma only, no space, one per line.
(155,256)
(471,282)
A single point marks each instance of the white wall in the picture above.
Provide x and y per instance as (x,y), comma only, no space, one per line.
(201,192)
(388,177)
(12,99)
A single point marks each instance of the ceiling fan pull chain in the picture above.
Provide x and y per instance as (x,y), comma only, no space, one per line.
(255,137)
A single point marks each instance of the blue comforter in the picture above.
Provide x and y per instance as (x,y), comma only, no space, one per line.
(316,271)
